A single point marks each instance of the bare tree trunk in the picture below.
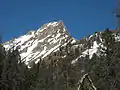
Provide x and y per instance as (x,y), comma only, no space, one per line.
(82,80)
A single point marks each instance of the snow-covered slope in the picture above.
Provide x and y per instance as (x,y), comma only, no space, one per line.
(42,42)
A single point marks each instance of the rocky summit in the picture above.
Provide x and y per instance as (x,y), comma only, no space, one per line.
(40,43)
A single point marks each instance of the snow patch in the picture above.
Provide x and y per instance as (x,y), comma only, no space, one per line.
(92,50)
(73,41)
(52,24)
(25,54)
(51,50)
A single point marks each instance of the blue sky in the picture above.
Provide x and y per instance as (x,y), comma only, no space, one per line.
(81,17)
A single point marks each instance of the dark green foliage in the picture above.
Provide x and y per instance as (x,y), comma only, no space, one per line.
(11,70)
(104,69)
(11,74)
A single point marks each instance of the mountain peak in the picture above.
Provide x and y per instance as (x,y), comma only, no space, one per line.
(52,26)
(39,44)
(55,23)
